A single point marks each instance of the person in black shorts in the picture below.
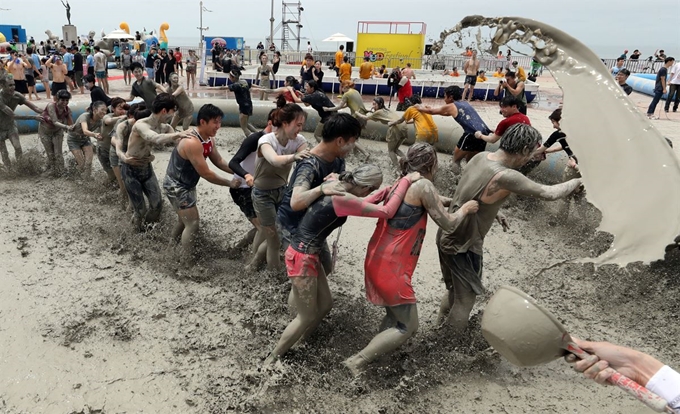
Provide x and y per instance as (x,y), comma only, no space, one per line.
(241,91)
(465,115)
(243,166)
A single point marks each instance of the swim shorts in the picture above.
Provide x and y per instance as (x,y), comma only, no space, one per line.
(471,80)
(58,86)
(396,135)
(245,109)
(114,161)
(6,134)
(266,203)
(70,74)
(21,86)
(30,80)
(76,142)
(180,197)
(301,264)
(466,268)
(100,74)
(468,142)
(243,199)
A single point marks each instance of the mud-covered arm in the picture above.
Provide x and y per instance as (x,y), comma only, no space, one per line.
(435,208)
(517,183)
(350,205)
(248,146)
(148,134)
(398,121)
(33,107)
(342,104)
(303,195)
(52,112)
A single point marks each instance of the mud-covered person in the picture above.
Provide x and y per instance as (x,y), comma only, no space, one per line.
(312,177)
(9,100)
(119,108)
(185,108)
(57,118)
(136,169)
(396,134)
(489,178)
(393,252)
(276,154)
(145,88)
(88,125)
(310,291)
(119,142)
(186,167)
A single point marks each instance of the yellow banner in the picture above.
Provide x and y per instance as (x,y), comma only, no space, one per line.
(390,49)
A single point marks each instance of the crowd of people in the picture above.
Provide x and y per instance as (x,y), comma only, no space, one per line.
(295,195)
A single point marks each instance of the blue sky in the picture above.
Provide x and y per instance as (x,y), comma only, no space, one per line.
(604,25)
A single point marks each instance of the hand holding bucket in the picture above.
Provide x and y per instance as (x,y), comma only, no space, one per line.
(526,334)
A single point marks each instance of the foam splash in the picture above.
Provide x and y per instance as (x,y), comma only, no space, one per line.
(631,174)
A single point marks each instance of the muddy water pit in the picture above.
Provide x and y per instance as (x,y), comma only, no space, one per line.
(95,318)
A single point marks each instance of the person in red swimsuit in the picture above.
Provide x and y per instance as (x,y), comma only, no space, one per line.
(287,90)
(393,253)
(311,294)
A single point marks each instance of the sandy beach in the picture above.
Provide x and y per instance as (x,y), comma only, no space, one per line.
(95,318)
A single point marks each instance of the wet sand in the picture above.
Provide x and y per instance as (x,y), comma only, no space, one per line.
(96,318)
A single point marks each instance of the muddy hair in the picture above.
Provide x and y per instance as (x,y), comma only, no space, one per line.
(556,115)
(65,95)
(455,92)
(117,101)
(292,81)
(520,139)
(347,83)
(142,113)
(164,101)
(367,175)
(287,114)
(380,101)
(134,108)
(421,157)
(96,105)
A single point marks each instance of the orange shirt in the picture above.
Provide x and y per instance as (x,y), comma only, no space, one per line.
(338,58)
(366,70)
(345,72)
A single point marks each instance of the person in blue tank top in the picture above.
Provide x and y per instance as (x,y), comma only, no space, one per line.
(466,116)
(186,167)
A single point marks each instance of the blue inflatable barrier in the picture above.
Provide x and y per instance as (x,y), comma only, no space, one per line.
(643,84)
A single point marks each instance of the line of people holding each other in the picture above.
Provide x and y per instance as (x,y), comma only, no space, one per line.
(317,198)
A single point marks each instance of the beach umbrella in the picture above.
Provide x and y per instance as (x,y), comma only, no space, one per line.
(118,35)
(338,37)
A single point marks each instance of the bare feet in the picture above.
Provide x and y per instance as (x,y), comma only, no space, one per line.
(356,365)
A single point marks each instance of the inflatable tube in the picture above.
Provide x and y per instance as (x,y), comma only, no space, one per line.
(112,65)
(643,85)
(651,76)
(549,171)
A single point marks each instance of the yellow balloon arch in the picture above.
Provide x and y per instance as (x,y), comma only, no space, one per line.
(124,26)
(2,38)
